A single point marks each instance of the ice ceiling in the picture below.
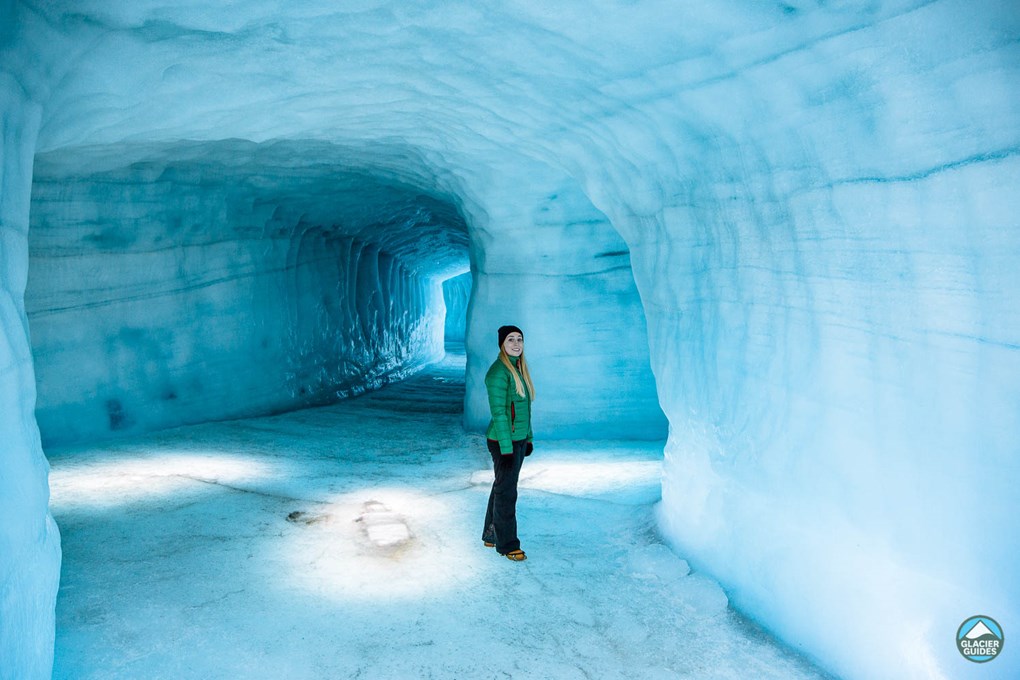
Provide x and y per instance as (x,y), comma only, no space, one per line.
(799,217)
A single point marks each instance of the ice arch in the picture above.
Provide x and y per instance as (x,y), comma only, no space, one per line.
(817,200)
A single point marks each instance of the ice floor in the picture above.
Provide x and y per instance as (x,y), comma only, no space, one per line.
(343,542)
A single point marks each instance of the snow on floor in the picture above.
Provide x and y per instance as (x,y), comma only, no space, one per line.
(344,542)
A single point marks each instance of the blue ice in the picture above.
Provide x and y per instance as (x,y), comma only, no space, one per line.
(774,241)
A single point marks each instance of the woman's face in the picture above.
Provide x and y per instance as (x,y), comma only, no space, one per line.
(514,344)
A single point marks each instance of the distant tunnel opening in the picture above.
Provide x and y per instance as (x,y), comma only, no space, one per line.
(456,294)
(176,284)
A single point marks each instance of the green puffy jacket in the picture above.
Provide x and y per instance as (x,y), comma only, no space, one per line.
(511,413)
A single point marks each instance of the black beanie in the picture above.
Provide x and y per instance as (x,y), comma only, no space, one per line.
(507,330)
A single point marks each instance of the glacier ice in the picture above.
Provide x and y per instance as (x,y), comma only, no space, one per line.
(247,279)
(790,226)
(29,539)
(456,293)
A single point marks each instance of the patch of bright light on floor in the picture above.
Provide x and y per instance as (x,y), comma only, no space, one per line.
(581,477)
(381,543)
(115,481)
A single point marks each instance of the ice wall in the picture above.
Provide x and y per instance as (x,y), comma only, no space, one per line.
(180,283)
(829,324)
(29,540)
(818,203)
(549,262)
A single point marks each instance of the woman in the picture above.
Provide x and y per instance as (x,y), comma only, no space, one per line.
(511,392)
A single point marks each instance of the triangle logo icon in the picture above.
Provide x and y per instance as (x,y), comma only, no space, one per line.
(979,630)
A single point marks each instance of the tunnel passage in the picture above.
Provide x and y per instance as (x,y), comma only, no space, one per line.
(178,283)
(860,158)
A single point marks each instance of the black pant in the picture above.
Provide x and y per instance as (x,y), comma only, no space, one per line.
(501,515)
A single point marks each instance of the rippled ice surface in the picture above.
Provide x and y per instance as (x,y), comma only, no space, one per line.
(344,542)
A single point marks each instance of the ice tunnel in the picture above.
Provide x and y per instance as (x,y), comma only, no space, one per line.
(289,280)
(788,229)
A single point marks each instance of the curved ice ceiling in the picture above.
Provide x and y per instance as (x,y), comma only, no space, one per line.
(816,201)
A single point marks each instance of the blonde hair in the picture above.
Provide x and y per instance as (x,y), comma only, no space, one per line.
(522,364)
